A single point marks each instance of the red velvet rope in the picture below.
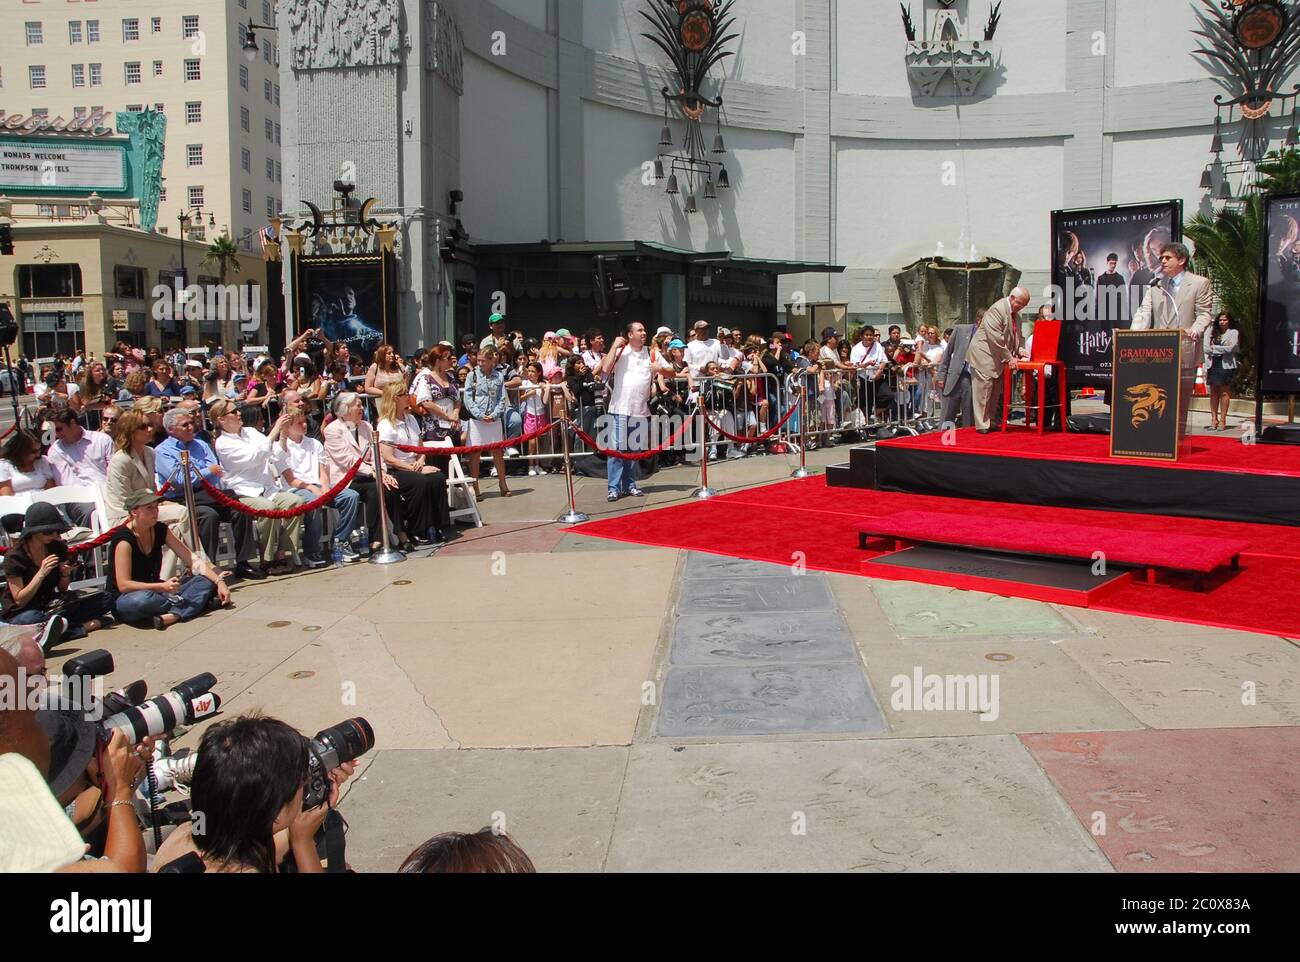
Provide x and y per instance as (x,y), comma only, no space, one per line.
(104,538)
(626,456)
(758,438)
(224,499)
(10,430)
(478,448)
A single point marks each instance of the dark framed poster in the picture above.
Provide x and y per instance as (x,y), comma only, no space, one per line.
(348,298)
(1146,395)
(1103,262)
(1279,305)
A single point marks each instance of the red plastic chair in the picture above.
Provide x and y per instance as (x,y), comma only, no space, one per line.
(1045,353)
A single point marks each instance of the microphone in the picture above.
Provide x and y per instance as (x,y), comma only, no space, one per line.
(1155,281)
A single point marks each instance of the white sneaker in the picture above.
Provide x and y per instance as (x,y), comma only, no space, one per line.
(492,473)
(532,472)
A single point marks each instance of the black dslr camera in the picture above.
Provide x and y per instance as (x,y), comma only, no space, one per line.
(330,748)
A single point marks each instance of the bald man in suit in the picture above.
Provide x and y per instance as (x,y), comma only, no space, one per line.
(994,347)
(1182,300)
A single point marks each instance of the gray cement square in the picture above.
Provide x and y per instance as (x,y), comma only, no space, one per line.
(882,806)
(742,639)
(789,593)
(781,699)
(701,565)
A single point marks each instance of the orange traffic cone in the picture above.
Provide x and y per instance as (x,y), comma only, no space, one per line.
(1201,390)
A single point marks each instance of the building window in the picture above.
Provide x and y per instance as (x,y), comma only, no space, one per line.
(277,172)
(243,4)
(270,127)
(49,280)
(44,210)
(189,27)
(192,71)
(130,30)
(78,75)
(135,108)
(196,196)
(36,76)
(162,195)
(157,68)
(277,95)
(40,111)
(248,201)
(266,11)
(132,71)
(159,108)
(194,112)
(74,31)
(128,282)
(78,113)
(270,169)
(270,206)
(33,33)
(266,90)
(277,133)
(245,159)
(266,50)
(96,74)
(155,24)
(92,31)
(243,76)
(243,117)
(193,155)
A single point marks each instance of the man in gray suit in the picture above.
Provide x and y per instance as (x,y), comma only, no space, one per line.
(994,348)
(952,377)
(1181,300)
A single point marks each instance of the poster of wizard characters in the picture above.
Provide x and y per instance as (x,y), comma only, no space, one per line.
(346,299)
(1279,322)
(1103,263)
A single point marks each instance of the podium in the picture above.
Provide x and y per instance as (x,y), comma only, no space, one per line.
(1148,409)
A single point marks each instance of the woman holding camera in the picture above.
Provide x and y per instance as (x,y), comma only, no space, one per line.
(248,783)
(38,569)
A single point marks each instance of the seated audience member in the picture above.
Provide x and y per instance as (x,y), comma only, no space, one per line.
(136,586)
(78,457)
(164,383)
(347,438)
(91,393)
(483,853)
(246,458)
(298,461)
(425,513)
(248,782)
(108,418)
(208,513)
(37,570)
(22,468)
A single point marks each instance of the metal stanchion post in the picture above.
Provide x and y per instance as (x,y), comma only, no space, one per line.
(387,554)
(802,471)
(187,487)
(573,515)
(704,492)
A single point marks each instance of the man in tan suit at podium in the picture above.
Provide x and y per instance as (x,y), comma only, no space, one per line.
(1179,299)
(994,346)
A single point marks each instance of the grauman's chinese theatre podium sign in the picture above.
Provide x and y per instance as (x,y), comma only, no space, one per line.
(1147,416)
(55,159)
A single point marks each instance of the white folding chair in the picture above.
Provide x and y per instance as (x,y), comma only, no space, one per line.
(13,504)
(82,494)
(459,487)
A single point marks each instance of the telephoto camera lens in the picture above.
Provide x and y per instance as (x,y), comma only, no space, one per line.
(344,742)
(183,705)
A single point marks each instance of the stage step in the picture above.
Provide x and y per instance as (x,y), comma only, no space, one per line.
(1015,576)
(858,472)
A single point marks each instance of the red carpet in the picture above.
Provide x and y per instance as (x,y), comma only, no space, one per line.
(1207,453)
(780,522)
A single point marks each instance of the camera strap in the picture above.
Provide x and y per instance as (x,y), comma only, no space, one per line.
(334,829)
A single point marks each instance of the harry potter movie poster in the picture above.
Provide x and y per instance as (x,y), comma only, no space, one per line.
(1103,262)
(346,298)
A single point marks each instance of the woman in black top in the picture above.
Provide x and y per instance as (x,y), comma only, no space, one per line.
(135,582)
(37,570)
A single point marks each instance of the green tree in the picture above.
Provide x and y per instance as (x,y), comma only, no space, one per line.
(1228,248)
(223,255)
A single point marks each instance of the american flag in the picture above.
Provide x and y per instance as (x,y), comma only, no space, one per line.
(265,236)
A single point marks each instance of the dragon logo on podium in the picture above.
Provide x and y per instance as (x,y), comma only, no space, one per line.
(1146,400)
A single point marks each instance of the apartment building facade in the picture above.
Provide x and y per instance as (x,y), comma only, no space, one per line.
(72,59)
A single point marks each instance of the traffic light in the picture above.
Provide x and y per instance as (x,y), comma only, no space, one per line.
(63,320)
(6,239)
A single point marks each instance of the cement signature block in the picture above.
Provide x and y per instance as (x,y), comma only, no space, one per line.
(743,639)
(779,699)
(700,565)
(789,593)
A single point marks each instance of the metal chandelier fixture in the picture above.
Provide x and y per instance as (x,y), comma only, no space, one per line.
(1255,44)
(693,33)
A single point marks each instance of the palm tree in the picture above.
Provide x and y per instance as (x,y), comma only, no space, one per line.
(223,255)
(1228,250)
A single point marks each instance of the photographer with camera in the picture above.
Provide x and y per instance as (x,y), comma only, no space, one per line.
(264,792)
(38,570)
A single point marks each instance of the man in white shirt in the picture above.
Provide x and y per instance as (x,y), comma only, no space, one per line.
(78,457)
(633,367)
(869,357)
(298,461)
(703,349)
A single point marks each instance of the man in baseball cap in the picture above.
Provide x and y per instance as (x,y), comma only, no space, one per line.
(497,324)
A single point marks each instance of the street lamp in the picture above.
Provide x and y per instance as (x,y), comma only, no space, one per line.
(184,218)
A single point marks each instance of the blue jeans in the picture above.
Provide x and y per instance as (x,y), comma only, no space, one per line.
(191,600)
(77,612)
(345,502)
(513,421)
(622,474)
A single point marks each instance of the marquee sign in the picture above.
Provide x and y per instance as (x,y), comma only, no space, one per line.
(91,125)
(44,165)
